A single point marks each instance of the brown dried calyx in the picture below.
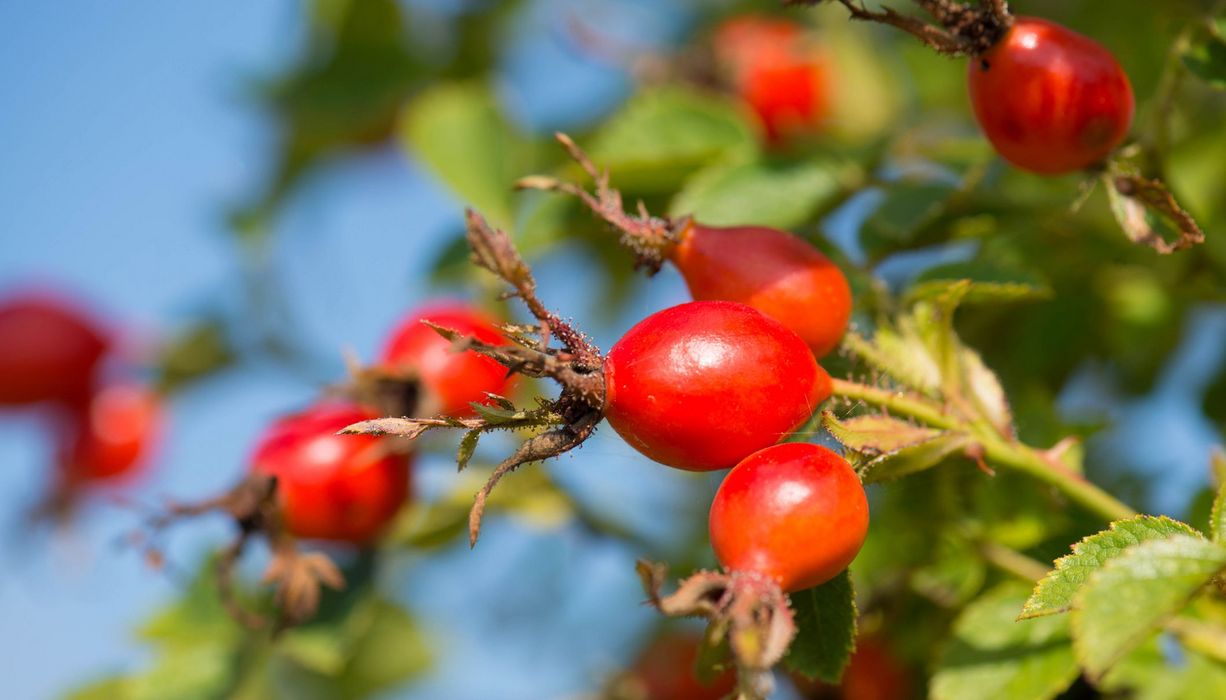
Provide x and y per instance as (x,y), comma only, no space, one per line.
(252,505)
(649,237)
(746,608)
(577,365)
(958,29)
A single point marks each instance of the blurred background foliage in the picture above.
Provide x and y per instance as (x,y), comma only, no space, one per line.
(1116,344)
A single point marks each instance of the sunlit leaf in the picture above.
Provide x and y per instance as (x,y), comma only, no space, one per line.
(459,134)
(992,655)
(1131,595)
(756,193)
(1055,593)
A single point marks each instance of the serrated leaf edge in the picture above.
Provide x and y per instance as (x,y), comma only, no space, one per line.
(1029,610)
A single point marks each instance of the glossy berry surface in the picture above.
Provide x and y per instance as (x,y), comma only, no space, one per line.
(49,350)
(777,71)
(702,385)
(1049,99)
(794,512)
(666,670)
(773,271)
(451,380)
(332,487)
(115,436)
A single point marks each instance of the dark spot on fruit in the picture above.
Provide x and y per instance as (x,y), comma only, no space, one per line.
(984,65)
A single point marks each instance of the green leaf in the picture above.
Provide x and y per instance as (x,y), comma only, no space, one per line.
(468,445)
(783,195)
(992,655)
(193,354)
(985,391)
(1146,674)
(1217,516)
(955,573)
(391,650)
(113,688)
(1133,594)
(1056,591)
(1207,59)
(986,284)
(913,458)
(875,434)
(825,630)
(901,353)
(660,137)
(458,133)
(907,206)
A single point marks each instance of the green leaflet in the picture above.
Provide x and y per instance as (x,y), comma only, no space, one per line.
(826,630)
(1133,594)
(1055,592)
(992,655)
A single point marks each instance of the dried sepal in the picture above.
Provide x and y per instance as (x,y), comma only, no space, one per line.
(747,608)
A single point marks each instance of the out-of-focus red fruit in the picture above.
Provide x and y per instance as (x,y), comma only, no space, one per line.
(49,350)
(778,71)
(452,380)
(114,436)
(1049,99)
(873,673)
(773,271)
(666,671)
(345,488)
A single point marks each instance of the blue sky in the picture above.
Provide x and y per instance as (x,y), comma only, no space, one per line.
(124,132)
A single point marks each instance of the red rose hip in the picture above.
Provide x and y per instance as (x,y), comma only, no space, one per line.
(49,350)
(777,71)
(773,271)
(702,385)
(1049,99)
(452,380)
(114,436)
(794,512)
(666,670)
(332,487)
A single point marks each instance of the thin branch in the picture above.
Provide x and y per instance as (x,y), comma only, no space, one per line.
(541,447)
(493,250)
(935,38)
(999,10)
(1140,193)
(649,237)
(996,449)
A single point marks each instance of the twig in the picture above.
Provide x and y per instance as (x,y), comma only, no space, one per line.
(493,250)
(1139,194)
(541,447)
(997,450)
(649,237)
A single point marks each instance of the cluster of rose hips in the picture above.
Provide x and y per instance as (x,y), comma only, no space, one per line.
(1050,100)
(716,383)
(56,356)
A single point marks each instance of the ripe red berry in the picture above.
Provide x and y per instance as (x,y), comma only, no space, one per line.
(794,512)
(332,487)
(701,385)
(1049,99)
(774,272)
(114,436)
(665,670)
(49,350)
(874,673)
(452,380)
(778,72)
